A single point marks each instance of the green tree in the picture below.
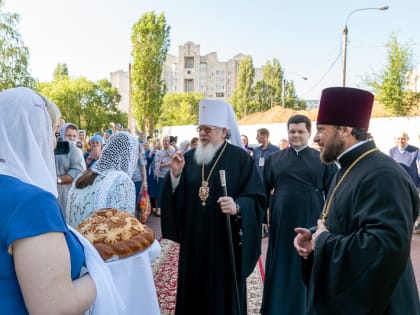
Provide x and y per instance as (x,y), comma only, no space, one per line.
(391,84)
(150,39)
(61,70)
(273,76)
(180,109)
(14,55)
(260,98)
(242,95)
(91,106)
(291,99)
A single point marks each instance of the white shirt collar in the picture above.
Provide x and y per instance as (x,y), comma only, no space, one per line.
(354,146)
(298,150)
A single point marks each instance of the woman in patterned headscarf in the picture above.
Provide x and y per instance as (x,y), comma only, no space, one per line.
(108,184)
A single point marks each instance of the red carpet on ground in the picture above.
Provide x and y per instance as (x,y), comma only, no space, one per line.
(165,272)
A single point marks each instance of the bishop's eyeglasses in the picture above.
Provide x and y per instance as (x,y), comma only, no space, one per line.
(205,129)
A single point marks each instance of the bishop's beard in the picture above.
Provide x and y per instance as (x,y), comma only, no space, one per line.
(205,153)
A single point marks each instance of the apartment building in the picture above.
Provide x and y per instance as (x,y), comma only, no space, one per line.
(192,72)
(119,79)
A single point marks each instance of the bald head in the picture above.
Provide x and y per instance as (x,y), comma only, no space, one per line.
(401,139)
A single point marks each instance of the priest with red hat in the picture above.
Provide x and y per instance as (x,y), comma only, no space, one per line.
(358,258)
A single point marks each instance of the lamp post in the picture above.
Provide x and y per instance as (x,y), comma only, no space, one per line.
(345,31)
(283,87)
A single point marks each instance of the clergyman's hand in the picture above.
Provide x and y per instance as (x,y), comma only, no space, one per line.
(302,242)
(320,228)
(228,205)
(177,163)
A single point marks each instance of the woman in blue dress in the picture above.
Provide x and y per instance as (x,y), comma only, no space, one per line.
(40,259)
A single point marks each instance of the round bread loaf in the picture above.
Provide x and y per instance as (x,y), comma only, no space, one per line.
(116,234)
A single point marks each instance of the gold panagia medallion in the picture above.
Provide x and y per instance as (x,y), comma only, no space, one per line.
(203,192)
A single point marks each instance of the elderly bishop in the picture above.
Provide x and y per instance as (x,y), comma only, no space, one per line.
(194,209)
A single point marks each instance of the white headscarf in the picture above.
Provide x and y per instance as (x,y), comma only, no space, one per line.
(26,136)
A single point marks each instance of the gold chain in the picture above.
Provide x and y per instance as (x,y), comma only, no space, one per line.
(203,191)
(328,204)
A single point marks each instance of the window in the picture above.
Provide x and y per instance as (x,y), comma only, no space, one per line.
(189,62)
(189,86)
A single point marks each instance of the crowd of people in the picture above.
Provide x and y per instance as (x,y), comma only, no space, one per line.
(338,213)
(84,153)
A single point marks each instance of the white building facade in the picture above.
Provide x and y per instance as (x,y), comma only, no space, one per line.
(414,81)
(190,72)
(119,79)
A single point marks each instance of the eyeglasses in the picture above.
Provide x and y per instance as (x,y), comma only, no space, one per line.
(206,129)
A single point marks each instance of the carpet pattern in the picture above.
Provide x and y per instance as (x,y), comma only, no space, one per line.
(165,270)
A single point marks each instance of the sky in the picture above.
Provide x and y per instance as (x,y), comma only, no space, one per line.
(93,36)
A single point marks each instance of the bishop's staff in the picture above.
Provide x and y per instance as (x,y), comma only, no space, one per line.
(230,245)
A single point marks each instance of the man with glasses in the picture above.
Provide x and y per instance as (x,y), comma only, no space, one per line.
(196,212)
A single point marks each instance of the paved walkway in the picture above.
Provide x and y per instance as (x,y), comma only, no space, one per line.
(154,222)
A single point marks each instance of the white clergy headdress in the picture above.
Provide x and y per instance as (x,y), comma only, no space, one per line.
(220,114)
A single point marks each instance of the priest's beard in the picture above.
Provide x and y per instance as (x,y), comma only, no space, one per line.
(332,150)
(205,153)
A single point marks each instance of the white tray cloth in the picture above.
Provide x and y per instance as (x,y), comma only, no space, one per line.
(133,279)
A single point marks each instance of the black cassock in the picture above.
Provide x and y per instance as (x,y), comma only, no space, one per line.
(301,183)
(204,272)
(362,265)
